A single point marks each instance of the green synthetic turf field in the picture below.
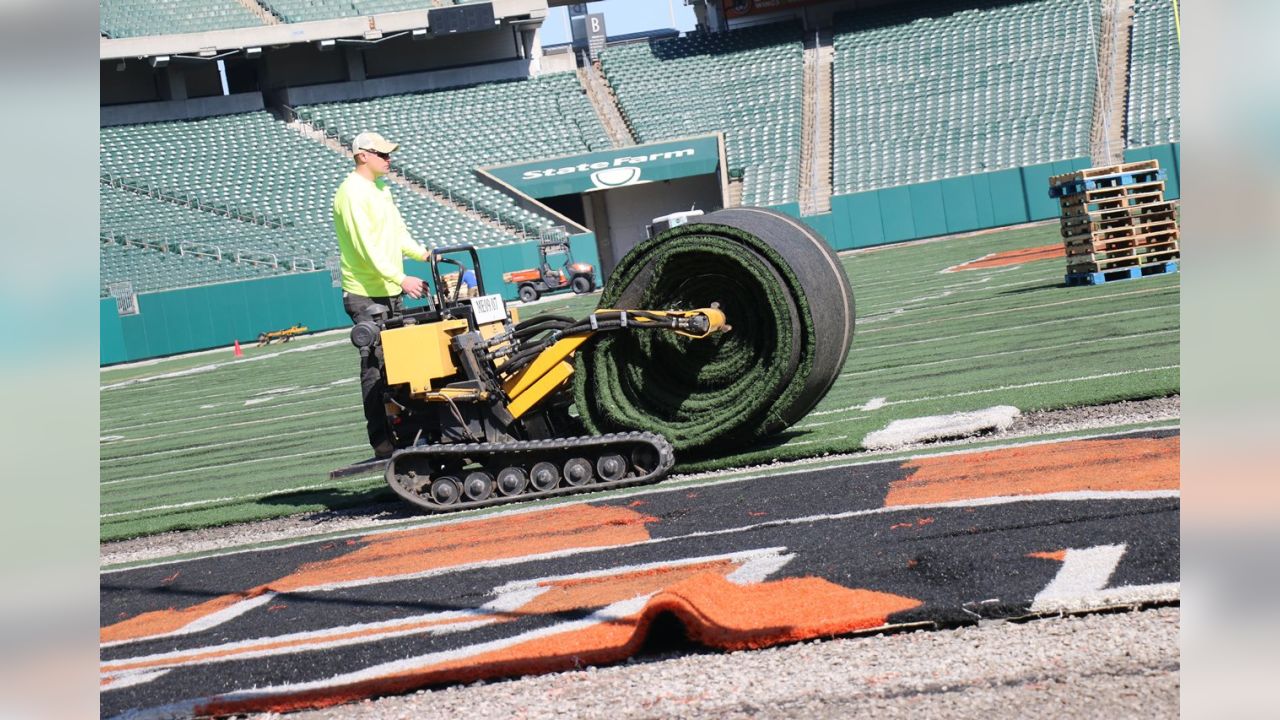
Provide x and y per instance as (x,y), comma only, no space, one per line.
(210,439)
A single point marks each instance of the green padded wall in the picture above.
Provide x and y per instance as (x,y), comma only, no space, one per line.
(942,207)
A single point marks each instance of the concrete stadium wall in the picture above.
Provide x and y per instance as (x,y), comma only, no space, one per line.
(166,110)
(399,84)
(211,316)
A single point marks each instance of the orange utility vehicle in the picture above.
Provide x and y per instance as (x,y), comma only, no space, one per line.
(565,274)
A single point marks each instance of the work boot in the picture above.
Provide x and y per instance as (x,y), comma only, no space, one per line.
(383,450)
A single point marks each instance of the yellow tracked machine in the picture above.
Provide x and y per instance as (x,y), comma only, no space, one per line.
(479,403)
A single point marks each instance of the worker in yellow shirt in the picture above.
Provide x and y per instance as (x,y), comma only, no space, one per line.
(373,242)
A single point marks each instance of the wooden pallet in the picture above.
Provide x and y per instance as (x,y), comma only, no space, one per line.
(1117,217)
(1081,247)
(1116,257)
(1108,193)
(1075,187)
(1075,266)
(1136,230)
(1112,199)
(1104,170)
(1128,273)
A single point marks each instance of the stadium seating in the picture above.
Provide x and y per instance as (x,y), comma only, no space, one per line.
(148,269)
(444,135)
(130,18)
(925,91)
(1154,70)
(303,10)
(254,163)
(747,83)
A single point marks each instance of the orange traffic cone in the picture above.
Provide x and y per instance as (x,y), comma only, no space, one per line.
(239,352)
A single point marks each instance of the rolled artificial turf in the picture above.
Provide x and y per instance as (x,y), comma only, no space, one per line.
(791,315)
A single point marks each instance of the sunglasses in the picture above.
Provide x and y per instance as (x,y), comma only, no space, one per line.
(384,156)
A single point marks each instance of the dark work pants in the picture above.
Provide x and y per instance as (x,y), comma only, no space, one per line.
(371,384)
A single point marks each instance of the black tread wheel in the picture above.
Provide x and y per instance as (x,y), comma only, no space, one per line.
(581,285)
(528,293)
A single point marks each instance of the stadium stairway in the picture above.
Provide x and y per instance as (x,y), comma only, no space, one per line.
(311,132)
(815,146)
(605,104)
(1106,135)
(263,13)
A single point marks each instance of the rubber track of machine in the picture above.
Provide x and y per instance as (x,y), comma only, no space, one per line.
(791,309)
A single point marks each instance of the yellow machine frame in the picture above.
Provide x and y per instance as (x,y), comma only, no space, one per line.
(419,356)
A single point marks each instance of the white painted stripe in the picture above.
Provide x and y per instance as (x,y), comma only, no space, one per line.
(1081,583)
(677,483)
(215,366)
(130,679)
(220,428)
(210,416)
(454,621)
(238,463)
(230,613)
(1024,308)
(981,284)
(241,498)
(1003,353)
(1002,388)
(229,443)
(811,442)
(1083,572)
(874,403)
(204,623)
(1007,328)
(754,566)
(616,611)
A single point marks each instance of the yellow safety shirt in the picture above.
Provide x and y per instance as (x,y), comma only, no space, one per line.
(372,238)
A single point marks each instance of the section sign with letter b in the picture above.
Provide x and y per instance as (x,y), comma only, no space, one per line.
(595,33)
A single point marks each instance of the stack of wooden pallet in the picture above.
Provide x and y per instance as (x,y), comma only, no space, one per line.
(1116,223)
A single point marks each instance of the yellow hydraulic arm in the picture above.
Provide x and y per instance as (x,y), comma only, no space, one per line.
(551,369)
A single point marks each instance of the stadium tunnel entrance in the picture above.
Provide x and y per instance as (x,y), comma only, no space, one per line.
(616,193)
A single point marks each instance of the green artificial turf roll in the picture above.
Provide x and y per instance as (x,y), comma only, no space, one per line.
(791,310)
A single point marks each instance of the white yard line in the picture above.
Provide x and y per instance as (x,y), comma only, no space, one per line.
(1018,309)
(229,443)
(221,465)
(236,498)
(1002,353)
(238,411)
(214,366)
(1002,388)
(971,333)
(282,418)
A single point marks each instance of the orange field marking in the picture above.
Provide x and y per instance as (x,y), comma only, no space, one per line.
(1058,555)
(1069,466)
(420,550)
(714,611)
(1012,257)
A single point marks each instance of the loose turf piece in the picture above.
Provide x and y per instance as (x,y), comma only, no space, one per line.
(790,307)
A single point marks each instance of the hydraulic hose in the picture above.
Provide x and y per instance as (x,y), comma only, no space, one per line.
(791,313)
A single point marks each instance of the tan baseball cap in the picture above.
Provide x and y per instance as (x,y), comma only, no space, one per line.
(372,141)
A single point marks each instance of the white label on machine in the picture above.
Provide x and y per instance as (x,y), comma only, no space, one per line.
(488,308)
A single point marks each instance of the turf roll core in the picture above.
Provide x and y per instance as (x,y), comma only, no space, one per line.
(791,313)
